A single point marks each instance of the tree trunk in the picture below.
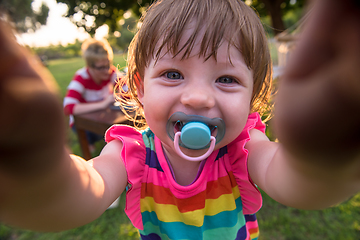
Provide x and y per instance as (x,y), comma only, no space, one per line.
(273,7)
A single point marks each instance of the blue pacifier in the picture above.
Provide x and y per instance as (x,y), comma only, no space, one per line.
(195,132)
(195,135)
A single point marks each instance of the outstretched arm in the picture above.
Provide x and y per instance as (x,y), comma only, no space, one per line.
(318,103)
(317,114)
(299,181)
(42,187)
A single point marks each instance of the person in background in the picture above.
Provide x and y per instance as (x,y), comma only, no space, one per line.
(91,88)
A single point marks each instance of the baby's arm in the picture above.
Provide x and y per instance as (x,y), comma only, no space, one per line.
(297,181)
(42,187)
(316,115)
(71,195)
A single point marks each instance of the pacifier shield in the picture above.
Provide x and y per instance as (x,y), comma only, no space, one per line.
(197,130)
(195,135)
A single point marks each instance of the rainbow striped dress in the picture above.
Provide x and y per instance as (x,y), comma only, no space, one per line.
(220,204)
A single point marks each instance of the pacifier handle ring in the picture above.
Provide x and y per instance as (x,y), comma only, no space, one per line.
(193,159)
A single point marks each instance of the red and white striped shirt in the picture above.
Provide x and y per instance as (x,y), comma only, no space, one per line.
(83,89)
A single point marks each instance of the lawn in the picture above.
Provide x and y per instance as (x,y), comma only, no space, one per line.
(276,221)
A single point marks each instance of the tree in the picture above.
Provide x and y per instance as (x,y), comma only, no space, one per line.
(92,14)
(123,37)
(277,9)
(20,14)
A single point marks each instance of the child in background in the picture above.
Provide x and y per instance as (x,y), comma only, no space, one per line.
(92,86)
(208,72)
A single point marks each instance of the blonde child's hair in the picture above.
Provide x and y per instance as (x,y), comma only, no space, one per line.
(165,22)
(94,50)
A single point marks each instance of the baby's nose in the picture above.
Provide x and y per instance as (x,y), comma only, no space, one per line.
(198,98)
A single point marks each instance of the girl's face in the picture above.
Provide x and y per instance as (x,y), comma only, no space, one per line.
(194,86)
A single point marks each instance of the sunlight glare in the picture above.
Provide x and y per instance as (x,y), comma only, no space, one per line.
(102,32)
(58,29)
(127,14)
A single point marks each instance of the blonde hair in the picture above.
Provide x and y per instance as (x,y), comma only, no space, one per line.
(163,26)
(93,50)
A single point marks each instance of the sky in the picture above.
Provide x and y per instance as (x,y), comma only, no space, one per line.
(58,29)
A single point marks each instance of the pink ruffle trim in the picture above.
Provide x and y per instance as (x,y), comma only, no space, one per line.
(250,195)
(133,155)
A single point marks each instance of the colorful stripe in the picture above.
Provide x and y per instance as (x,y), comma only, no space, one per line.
(213,211)
(252,226)
(214,190)
(190,211)
(222,224)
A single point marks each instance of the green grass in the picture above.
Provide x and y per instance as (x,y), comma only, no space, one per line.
(279,222)
(276,221)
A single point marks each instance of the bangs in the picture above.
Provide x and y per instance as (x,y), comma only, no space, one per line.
(211,21)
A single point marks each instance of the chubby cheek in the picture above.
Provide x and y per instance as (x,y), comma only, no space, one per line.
(232,132)
(154,109)
(156,114)
(235,122)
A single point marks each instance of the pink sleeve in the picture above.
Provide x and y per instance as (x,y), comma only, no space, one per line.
(133,155)
(250,195)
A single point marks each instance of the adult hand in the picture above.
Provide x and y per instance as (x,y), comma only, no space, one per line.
(317,109)
(108,100)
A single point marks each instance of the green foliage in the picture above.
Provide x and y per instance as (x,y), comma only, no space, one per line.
(285,5)
(126,33)
(111,12)
(278,15)
(124,40)
(108,12)
(59,51)
(20,12)
(71,50)
(291,17)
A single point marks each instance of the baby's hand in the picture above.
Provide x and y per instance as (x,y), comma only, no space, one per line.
(318,105)
(31,116)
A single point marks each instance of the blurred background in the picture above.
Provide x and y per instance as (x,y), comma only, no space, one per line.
(55,28)
(54,31)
